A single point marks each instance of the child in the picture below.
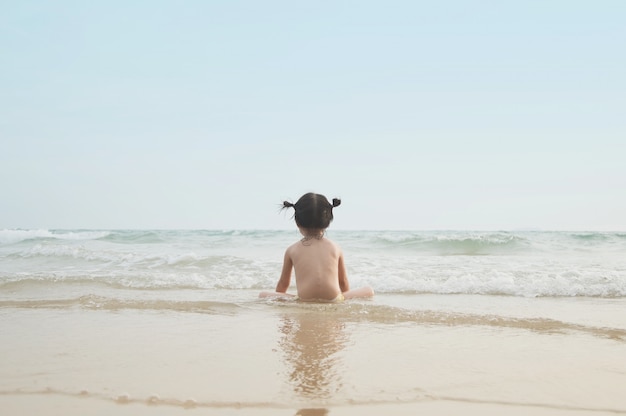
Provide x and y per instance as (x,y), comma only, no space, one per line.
(317,261)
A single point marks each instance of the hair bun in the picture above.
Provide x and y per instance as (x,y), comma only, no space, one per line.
(336,202)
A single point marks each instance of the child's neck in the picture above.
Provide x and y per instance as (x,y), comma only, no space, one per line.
(311,234)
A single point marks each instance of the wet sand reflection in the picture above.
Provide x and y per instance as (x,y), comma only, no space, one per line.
(311,342)
(312,412)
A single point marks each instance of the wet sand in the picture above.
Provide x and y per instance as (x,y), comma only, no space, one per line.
(447,356)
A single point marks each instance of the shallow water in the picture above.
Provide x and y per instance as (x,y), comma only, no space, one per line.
(528,264)
(151,321)
(249,353)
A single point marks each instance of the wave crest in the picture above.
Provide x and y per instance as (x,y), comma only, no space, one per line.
(17,236)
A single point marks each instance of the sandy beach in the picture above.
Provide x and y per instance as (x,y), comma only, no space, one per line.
(444,355)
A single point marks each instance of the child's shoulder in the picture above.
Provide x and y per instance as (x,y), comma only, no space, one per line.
(292,247)
(328,240)
(332,244)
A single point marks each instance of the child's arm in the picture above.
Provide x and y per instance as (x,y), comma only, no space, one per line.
(344,285)
(285,276)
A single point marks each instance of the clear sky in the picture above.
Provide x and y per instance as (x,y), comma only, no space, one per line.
(491,115)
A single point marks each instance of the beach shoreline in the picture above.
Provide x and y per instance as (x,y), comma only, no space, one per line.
(264,357)
(46,404)
(161,323)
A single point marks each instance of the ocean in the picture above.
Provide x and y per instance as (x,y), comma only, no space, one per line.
(126,320)
(525,264)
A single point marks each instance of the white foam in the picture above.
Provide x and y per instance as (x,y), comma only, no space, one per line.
(584,266)
(13,236)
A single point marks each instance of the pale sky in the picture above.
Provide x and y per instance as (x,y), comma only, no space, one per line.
(489,115)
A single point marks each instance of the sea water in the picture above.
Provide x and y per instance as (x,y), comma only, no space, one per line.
(173,318)
(519,264)
(580,275)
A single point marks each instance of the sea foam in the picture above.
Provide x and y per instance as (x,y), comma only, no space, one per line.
(527,264)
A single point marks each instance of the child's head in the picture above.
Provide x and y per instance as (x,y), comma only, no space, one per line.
(313,211)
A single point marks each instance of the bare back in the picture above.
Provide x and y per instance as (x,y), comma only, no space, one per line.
(319,268)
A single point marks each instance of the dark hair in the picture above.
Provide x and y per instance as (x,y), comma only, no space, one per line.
(313,210)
